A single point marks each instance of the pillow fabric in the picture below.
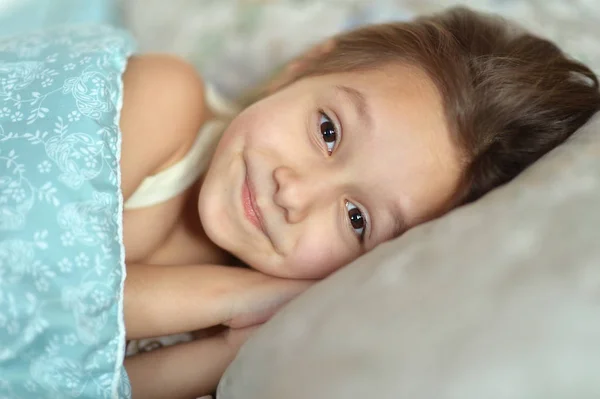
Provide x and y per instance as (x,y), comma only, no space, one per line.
(237,44)
(498,300)
(61,253)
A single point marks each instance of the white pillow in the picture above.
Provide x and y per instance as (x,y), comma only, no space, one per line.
(497,300)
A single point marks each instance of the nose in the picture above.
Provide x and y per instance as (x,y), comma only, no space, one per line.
(294,193)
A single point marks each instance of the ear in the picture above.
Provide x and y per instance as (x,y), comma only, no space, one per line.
(299,65)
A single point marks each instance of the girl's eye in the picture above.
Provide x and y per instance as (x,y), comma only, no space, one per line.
(357,220)
(328,131)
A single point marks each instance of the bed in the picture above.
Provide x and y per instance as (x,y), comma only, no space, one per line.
(498,300)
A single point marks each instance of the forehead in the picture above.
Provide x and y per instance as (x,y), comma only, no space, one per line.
(396,93)
(407,150)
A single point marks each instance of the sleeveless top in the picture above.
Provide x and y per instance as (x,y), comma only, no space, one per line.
(177,178)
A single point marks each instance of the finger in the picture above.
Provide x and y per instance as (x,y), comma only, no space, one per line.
(169,300)
(256,306)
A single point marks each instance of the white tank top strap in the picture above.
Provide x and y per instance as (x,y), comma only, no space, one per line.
(219,104)
(177,178)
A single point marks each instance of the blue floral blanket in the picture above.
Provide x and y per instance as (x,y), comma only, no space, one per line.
(61,253)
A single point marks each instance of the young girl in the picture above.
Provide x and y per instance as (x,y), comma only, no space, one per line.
(367,135)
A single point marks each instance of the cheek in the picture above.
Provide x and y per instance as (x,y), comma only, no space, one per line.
(276,123)
(235,134)
(316,256)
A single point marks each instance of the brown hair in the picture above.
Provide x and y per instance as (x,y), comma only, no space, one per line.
(509,96)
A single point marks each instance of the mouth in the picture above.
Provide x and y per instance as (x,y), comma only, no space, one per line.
(251,209)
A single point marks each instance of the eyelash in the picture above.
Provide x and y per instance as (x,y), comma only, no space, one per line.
(324,118)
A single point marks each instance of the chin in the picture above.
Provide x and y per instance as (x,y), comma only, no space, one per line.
(292,271)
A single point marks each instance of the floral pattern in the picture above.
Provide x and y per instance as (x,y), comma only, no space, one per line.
(61,255)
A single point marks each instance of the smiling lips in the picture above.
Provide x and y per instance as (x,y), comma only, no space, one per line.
(251,210)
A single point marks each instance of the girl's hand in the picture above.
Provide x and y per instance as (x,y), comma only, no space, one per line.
(163,300)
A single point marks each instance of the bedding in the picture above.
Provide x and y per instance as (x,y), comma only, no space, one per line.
(300,353)
(497,300)
(238,43)
(61,253)
(22,16)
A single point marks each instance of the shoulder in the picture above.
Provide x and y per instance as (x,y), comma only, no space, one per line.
(160,79)
(163,109)
(165,89)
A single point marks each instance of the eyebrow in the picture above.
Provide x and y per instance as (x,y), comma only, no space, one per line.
(361,107)
(399,225)
(360,104)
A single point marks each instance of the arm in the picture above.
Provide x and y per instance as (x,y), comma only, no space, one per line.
(161,300)
(163,111)
(186,370)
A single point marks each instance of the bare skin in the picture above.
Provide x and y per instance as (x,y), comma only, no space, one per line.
(335,164)
(162,112)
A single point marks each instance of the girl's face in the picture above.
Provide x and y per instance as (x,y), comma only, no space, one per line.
(313,176)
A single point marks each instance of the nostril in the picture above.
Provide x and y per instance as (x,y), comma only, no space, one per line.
(280,175)
(287,194)
(286,214)
(277,185)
